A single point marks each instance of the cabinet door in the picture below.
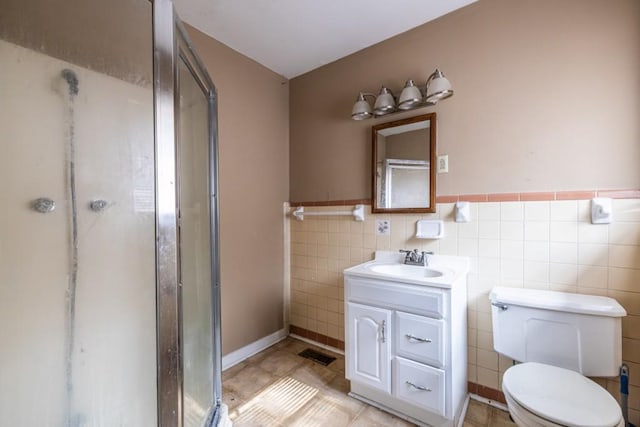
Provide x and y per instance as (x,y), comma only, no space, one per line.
(368,346)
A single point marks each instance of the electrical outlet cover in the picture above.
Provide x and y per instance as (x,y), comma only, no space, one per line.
(383,227)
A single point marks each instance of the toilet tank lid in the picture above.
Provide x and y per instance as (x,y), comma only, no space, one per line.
(558,301)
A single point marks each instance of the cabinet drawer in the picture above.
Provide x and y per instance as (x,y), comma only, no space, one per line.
(419,384)
(412,299)
(420,338)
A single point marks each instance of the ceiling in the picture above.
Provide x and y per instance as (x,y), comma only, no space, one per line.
(292,37)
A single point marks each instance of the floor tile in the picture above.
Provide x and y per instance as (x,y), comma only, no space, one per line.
(279,388)
(249,381)
(478,413)
(500,418)
(375,417)
(314,374)
(281,362)
(230,398)
(320,410)
(232,371)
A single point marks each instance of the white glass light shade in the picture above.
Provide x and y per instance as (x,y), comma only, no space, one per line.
(410,96)
(385,102)
(438,87)
(361,109)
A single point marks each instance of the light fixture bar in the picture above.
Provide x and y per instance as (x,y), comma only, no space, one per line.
(436,88)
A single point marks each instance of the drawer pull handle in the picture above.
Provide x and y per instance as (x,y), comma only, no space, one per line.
(411,337)
(417,387)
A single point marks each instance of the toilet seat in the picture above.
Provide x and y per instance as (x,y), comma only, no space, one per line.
(560,397)
(522,417)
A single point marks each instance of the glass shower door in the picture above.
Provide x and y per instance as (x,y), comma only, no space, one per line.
(194,232)
(190,360)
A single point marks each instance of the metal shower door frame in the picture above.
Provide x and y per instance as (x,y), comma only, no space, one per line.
(172,44)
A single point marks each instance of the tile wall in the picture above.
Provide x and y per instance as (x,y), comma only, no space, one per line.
(531,244)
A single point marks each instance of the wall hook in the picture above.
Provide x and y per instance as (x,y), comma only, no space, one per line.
(601,210)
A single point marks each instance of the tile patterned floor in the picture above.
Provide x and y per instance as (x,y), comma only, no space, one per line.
(481,415)
(278,388)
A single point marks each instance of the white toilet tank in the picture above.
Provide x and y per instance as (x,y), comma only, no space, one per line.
(573,331)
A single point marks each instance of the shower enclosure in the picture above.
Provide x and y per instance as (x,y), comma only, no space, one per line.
(109,275)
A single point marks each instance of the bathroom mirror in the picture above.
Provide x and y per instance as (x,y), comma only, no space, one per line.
(403,152)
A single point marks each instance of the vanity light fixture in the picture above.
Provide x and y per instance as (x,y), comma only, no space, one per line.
(361,109)
(410,97)
(436,88)
(385,102)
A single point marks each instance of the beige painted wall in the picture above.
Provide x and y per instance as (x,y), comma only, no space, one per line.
(542,90)
(253,110)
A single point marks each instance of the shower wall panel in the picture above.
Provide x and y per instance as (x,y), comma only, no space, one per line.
(77,327)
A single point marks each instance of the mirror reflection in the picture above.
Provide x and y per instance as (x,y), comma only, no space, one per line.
(403,152)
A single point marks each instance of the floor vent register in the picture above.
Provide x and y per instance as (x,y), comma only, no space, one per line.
(316,356)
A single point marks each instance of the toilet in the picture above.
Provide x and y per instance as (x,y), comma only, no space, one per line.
(559,339)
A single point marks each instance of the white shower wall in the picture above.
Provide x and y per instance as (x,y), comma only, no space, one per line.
(114,358)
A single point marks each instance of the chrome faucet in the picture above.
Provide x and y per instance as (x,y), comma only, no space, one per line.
(416,258)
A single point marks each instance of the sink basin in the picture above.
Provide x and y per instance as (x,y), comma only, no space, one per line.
(443,270)
(413,271)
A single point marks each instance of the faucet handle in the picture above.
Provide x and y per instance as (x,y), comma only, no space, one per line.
(425,260)
(408,255)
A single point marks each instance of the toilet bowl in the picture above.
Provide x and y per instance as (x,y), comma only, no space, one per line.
(540,395)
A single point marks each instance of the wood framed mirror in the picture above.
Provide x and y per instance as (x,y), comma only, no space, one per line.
(403,167)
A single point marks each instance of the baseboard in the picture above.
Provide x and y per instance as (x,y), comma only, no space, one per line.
(255,347)
(463,412)
(489,402)
(317,344)
(316,337)
(488,393)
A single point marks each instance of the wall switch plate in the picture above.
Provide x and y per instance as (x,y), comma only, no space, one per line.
(443,164)
(383,227)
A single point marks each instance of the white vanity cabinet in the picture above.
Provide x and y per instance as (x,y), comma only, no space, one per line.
(406,347)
